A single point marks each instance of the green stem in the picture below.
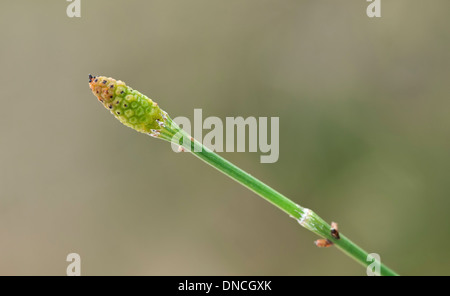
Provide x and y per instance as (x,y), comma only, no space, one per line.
(304,216)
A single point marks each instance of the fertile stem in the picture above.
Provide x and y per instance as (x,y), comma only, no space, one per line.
(137,111)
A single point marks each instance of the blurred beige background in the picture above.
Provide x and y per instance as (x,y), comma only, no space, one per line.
(364,136)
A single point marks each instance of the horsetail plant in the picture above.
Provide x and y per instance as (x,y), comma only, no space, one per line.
(137,111)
